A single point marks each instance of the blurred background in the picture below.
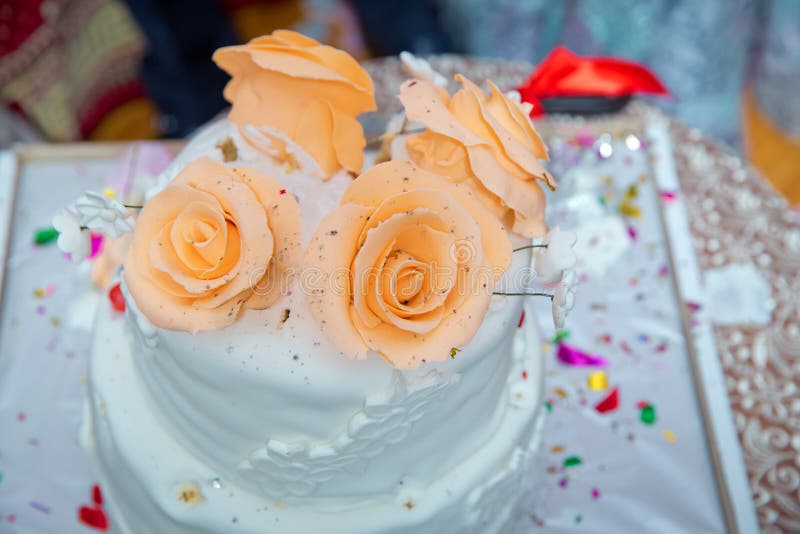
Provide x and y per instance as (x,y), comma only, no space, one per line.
(137,69)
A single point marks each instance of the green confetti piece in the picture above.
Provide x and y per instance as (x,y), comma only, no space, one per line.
(44,236)
(648,414)
(572,461)
(548,406)
(578,518)
(560,336)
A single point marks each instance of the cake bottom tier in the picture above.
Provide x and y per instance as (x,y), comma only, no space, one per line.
(153,484)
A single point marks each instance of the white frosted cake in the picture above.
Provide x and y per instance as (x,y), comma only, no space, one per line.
(305,351)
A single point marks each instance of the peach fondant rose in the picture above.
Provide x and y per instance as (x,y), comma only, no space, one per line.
(405,266)
(214,240)
(484,141)
(308,92)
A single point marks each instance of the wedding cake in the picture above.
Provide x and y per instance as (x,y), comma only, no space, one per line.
(315,342)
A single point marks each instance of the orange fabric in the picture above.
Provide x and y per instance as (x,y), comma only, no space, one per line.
(774,152)
(136,119)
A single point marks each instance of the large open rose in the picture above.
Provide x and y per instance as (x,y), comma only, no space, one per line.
(214,240)
(484,141)
(308,92)
(405,266)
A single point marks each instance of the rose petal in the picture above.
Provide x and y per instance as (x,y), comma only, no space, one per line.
(327,275)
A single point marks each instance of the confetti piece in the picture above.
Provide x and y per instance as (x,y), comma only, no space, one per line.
(560,336)
(629,210)
(643,338)
(21,416)
(560,392)
(663,272)
(548,406)
(44,236)
(93,517)
(573,356)
(555,449)
(609,403)
(693,307)
(597,381)
(648,414)
(116,298)
(524,375)
(97,495)
(595,493)
(572,461)
(521,319)
(97,245)
(632,232)
(662,347)
(606,338)
(109,193)
(282,191)
(670,436)
(562,483)
(39,506)
(11,518)
(668,196)
(578,518)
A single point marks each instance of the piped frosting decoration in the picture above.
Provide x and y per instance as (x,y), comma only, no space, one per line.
(486,142)
(216,239)
(405,266)
(288,87)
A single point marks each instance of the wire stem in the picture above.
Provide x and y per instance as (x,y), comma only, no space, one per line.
(528,246)
(523,294)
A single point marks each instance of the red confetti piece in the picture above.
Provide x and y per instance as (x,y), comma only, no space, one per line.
(521,319)
(11,518)
(605,339)
(282,191)
(641,404)
(625,347)
(116,298)
(97,495)
(93,517)
(661,347)
(524,375)
(609,403)
(573,356)
(97,244)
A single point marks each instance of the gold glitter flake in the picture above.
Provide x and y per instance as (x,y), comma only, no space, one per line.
(190,494)
(453,352)
(409,504)
(228,149)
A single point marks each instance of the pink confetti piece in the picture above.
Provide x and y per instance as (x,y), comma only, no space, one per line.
(584,140)
(575,357)
(595,493)
(662,347)
(668,196)
(562,483)
(663,272)
(692,306)
(625,347)
(11,518)
(632,232)
(49,289)
(97,244)
(21,416)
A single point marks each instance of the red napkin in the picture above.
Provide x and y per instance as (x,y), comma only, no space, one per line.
(565,74)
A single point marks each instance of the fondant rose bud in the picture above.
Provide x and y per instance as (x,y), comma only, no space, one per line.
(216,239)
(486,142)
(73,238)
(405,266)
(564,298)
(556,254)
(104,214)
(292,88)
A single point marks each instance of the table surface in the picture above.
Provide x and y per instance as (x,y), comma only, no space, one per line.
(598,472)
